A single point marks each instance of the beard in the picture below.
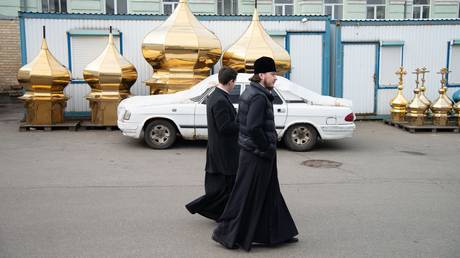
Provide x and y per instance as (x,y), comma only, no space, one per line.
(269,86)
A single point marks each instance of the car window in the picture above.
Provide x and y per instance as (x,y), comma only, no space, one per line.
(235,94)
(203,96)
(277,100)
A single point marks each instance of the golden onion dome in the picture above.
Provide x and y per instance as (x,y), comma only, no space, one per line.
(254,43)
(44,76)
(399,102)
(181,51)
(443,104)
(110,74)
(416,106)
(423,97)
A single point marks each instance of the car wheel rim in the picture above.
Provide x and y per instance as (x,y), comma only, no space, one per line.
(300,135)
(160,134)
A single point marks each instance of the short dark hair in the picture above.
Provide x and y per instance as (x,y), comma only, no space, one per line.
(255,78)
(226,74)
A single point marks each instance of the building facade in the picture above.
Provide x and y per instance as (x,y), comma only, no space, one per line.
(337,9)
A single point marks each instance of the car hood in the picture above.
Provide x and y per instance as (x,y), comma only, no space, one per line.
(163,99)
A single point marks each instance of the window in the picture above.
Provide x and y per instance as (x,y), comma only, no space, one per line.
(454,63)
(116,7)
(277,99)
(54,6)
(334,8)
(375,9)
(227,7)
(203,96)
(234,95)
(169,6)
(421,9)
(284,7)
(391,58)
(85,49)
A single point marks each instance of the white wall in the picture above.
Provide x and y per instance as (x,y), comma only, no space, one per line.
(133,32)
(424,45)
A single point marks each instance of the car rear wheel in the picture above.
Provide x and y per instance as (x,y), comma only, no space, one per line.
(301,137)
(160,134)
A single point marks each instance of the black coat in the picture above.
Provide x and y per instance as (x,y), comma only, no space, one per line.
(223,150)
(257,122)
(256,210)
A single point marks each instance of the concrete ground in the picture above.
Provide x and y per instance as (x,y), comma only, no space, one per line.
(100,194)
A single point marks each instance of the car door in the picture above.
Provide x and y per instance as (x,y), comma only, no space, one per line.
(280,111)
(201,123)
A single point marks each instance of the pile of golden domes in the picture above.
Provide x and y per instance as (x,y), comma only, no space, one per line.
(420,107)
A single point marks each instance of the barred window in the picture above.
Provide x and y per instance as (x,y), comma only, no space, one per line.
(169,6)
(227,7)
(284,7)
(116,7)
(421,9)
(334,8)
(54,6)
(375,9)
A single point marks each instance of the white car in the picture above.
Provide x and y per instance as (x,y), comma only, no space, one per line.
(301,116)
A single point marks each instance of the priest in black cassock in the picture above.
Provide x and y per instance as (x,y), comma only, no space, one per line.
(222,151)
(256,212)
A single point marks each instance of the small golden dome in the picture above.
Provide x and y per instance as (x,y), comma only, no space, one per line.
(44,76)
(181,51)
(44,80)
(255,43)
(443,104)
(416,106)
(110,74)
(399,102)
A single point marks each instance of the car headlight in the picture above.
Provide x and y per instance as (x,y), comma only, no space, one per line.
(126,115)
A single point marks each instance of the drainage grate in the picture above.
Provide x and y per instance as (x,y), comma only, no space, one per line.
(320,163)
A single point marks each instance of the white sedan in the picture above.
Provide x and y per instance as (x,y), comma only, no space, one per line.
(301,116)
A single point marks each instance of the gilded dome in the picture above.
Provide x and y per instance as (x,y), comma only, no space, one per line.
(254,43)
(44,75)
(181,51)
(110,73)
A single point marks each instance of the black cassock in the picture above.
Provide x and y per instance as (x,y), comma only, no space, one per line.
(256,211)
(221,156)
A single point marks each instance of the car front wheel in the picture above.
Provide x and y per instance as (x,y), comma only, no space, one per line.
(301,137)
(160,134)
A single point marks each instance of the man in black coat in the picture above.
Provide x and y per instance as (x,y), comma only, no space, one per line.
(256,211)
(222,151)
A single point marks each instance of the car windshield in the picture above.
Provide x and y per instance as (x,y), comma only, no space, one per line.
(203,95)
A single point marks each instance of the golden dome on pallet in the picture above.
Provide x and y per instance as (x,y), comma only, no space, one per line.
(443,105)
(417,108)
(110,77)
(44,80)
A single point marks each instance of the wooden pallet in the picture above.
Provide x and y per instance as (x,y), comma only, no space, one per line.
(86,125)
(424,128)
(70,125)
